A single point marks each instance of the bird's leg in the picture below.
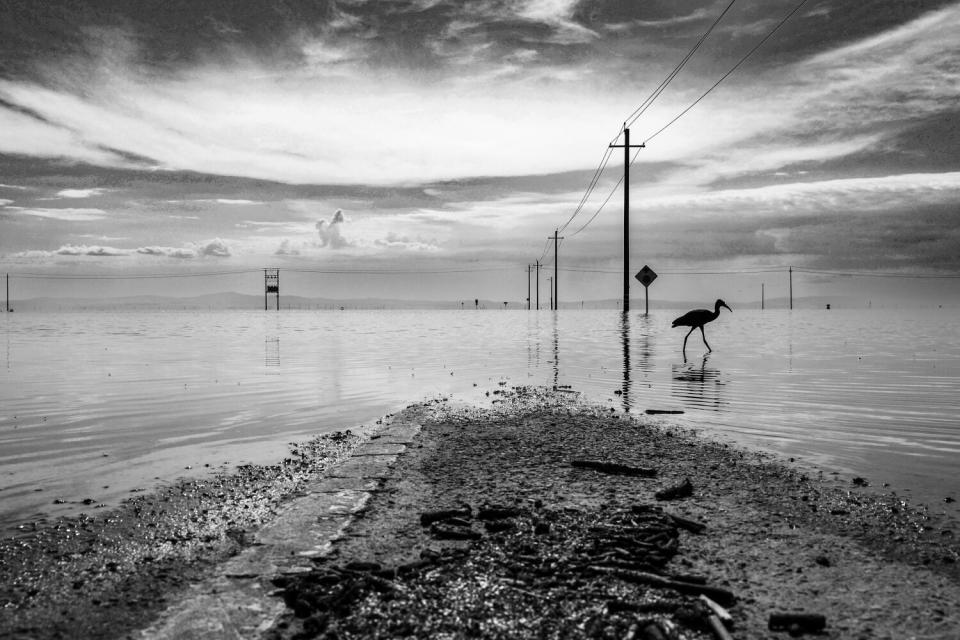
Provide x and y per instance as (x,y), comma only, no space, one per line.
(704,338)
(685,342)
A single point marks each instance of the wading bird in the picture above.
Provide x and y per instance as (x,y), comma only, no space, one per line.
(698,318)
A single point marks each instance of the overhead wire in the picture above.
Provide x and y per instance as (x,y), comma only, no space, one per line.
(639,111)
(730,72)
(633,118)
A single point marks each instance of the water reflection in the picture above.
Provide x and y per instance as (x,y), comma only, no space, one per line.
(697,384)
(556,352)
(271,353)
(625,343)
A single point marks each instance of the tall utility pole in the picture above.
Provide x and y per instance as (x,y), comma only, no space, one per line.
(538,285)
(528,286)
(555,292)
(791,288)
(626,213)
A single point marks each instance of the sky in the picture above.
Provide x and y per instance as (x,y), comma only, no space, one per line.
(426,149)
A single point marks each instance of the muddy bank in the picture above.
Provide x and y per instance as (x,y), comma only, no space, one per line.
(486,528)
(537,516)
(103,575)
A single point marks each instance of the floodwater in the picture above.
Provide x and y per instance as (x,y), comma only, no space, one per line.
(96,405)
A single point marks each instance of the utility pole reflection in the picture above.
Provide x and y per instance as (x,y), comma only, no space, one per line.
(625,341)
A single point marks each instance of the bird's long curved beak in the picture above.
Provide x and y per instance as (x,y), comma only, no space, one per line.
(728,309)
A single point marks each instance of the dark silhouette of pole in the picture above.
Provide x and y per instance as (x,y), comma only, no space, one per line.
(7,308)
(791,288)
(528,287)
(762,298)
(538,285)
(626,214)
(555,291)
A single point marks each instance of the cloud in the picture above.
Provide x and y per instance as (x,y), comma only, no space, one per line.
(4,203)
(66,215)
(168,252)
(285,249)
(85,250)
(215,248)
(329,232)
(80,193)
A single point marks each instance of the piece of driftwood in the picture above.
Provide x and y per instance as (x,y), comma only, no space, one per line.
(498,513)
(654,412)
(797,623)
(429,517)
(614,468)
(690,525)
(716,626)
(447,532)
(676,492)
(717,594)
(717,610)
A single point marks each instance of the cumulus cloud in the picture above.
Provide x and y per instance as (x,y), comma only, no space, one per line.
(286,249)
(329,232)
(216,248)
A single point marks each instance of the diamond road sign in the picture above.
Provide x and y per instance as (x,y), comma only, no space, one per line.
(646,276)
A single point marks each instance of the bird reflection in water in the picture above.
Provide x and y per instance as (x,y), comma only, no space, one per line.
(697,384)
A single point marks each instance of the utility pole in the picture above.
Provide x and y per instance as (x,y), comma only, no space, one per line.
(791,288)
(555,292)
(626,213)
(761,296)
(528,286)
(538,285)
(7,308)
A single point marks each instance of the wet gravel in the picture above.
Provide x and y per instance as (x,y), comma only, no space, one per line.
(103,575)
(590,552)
(537,516)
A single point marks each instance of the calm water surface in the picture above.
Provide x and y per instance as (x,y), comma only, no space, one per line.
(93,405)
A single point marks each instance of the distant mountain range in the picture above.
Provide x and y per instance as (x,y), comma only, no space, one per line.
(232,300)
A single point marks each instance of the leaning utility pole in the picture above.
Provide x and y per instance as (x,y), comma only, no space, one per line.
(626,213)
(555,292)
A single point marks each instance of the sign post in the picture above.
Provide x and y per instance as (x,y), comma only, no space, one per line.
(646,276)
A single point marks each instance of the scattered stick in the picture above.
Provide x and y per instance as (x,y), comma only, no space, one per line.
(429,517)
(716,626)
(690,525)
(682,490)
(797,623)
(718,594)
(614,468)
(653,412)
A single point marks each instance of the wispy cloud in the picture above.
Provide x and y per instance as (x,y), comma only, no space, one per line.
(66,214)
(80,193)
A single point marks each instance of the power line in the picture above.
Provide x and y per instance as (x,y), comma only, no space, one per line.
(730,72)
(636,114)
(639,111)
(107,276)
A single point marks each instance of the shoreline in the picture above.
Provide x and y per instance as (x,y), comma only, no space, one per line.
(765,521)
